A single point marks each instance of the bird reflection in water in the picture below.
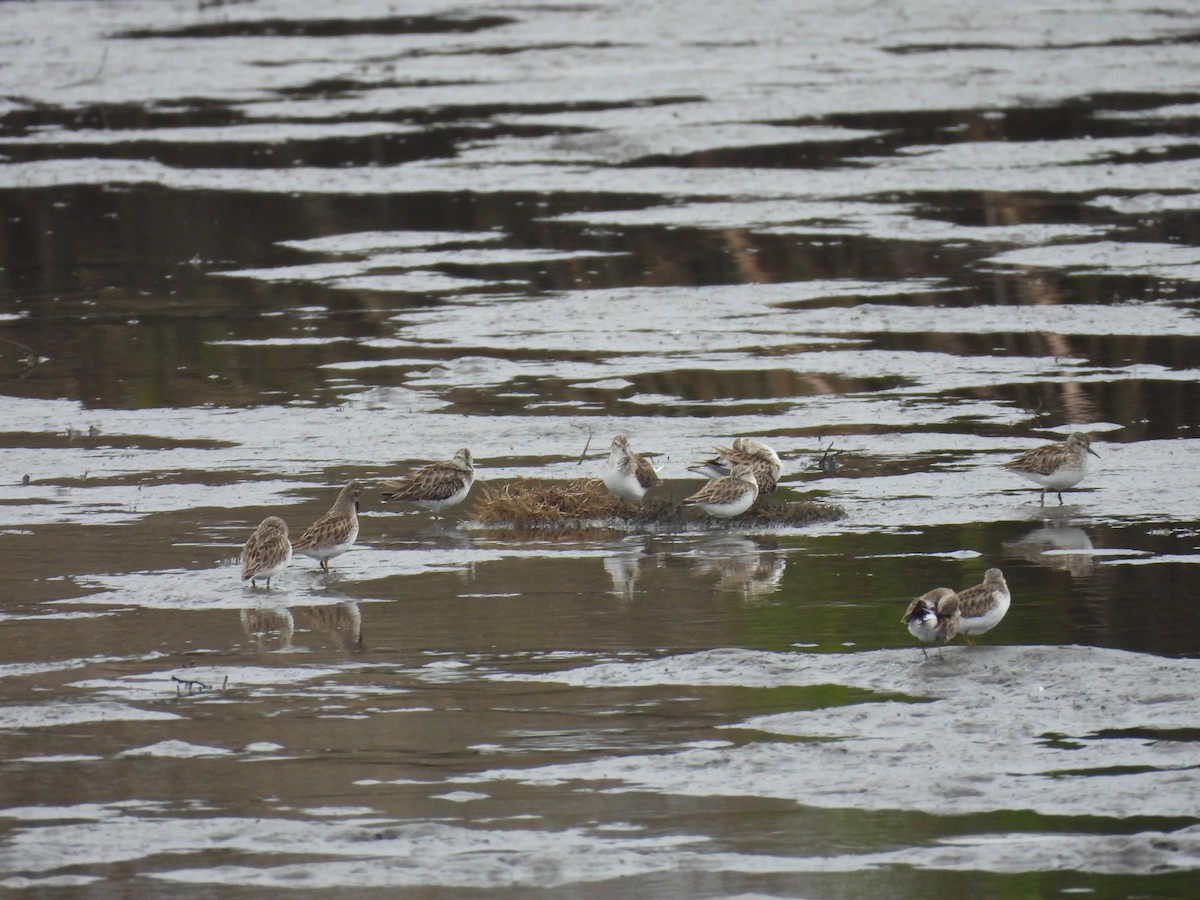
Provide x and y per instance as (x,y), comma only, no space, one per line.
(275,629)
(627,565)
(269,629)
(1056,544)
(341,621)
(751,568)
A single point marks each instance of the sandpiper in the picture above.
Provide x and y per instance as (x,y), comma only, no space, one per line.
(267,552)
(626,474)
(764,462)
(933,618)
(1055,466)
(727,496)
(984,605)
(334,533)
(436,486)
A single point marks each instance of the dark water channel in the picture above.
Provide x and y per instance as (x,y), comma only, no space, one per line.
(247,255)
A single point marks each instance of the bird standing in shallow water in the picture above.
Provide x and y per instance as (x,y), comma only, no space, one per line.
(626,474)
(1055,467)
(335,532)
(436,486)
(933,618)
(983,606)
(267,552)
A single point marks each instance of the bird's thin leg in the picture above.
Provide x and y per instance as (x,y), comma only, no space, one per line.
(1043,496)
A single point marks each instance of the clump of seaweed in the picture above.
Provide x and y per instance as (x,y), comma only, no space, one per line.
(527,503)
(586,503)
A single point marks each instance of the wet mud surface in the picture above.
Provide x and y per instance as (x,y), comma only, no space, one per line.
(248,254)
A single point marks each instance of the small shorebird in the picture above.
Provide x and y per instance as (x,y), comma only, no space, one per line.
(933,618)
(436,486)
(727,496)
(984,605)
(1055,466)
(334,533)
(268,551)
(763,461)
(626,474)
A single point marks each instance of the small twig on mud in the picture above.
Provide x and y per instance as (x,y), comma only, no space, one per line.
(1033,411)
(590,434)
(210,4)
(828,463)
(192,686)
(95,75)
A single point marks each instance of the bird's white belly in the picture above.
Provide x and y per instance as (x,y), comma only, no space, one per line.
(623,484)
(989,619)
(329,551)
(446,502)
(924,629)
(1059,479)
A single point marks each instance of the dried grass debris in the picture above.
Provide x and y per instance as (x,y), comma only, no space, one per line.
(585,503)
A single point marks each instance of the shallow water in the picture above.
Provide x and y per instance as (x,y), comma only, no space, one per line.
(247,255)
